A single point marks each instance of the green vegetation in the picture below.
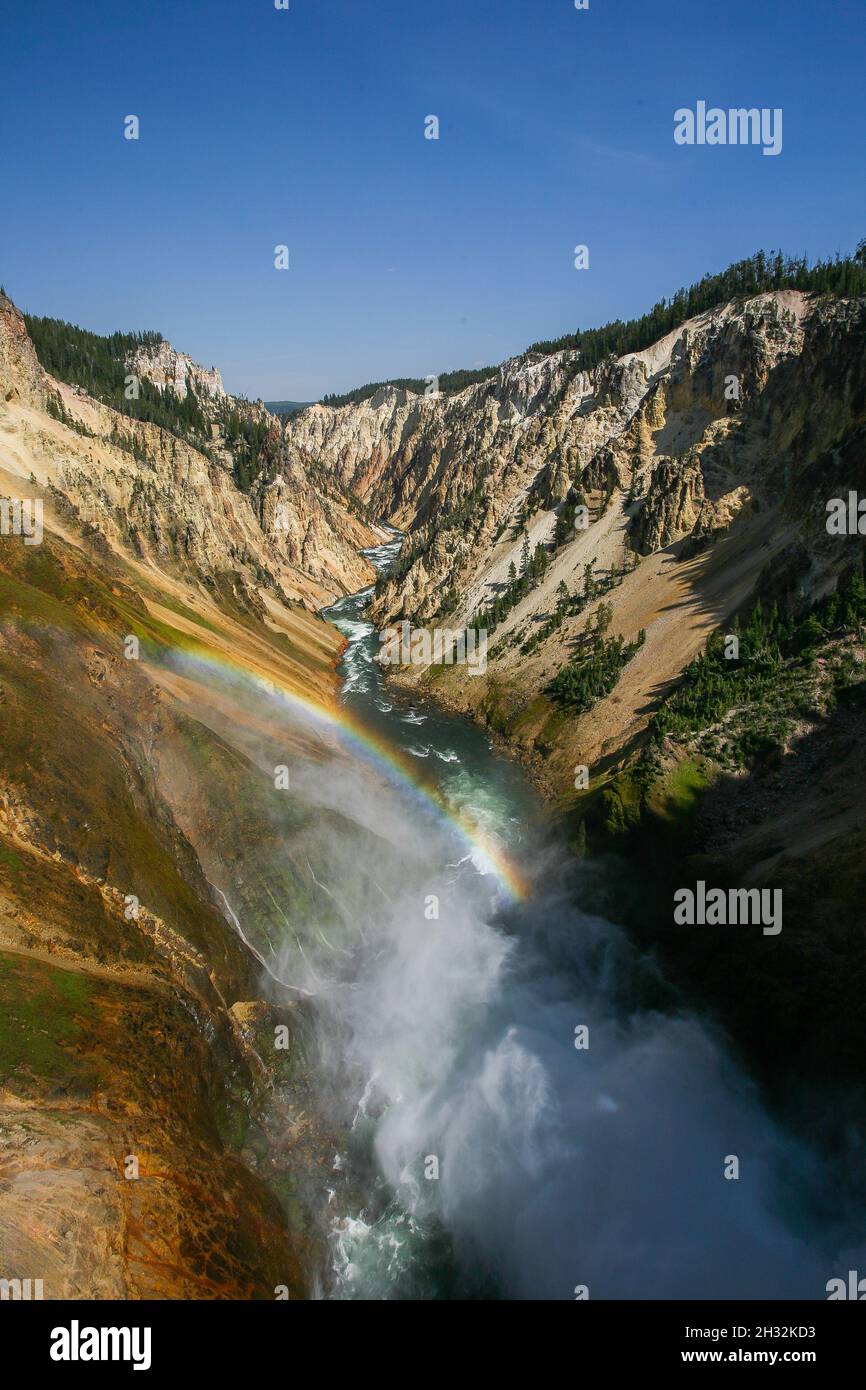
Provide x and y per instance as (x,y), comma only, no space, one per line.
(843,275)
(411,550)
(98,364)
(449,384)
(287,408)
(91,360)
(564,529)
(681,793)
(56,408)
(456,514)
(452,516)
(533,564)
(595,670)
(11,863)
(43,1013)
(569,605)
(744,707)
(256,445)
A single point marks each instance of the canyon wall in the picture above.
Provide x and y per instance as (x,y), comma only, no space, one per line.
(704,462)
(151,1136)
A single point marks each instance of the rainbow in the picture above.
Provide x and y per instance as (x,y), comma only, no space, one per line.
(396,766)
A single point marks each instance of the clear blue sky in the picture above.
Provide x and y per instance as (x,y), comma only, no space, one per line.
(408,256)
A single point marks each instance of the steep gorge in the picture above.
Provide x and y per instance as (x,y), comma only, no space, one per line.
(702,461)
(706,463)
(163,892)
(138,1071)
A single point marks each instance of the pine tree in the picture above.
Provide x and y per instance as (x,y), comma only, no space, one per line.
(579,846)
(632,487)
(525,557)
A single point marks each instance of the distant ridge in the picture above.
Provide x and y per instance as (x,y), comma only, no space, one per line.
(286,407)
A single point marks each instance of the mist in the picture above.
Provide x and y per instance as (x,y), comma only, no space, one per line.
(485,1154)
(560,1167)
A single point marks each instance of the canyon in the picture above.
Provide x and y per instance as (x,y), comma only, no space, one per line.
(707,461)
(149,778)
(697,497)
(138,1035)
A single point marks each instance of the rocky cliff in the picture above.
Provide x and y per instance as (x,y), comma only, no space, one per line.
(165,367)
(699,462)
(606,526)
(152,1140)
(164,500)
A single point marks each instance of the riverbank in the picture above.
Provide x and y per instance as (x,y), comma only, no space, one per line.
(460,1034)
(654,818)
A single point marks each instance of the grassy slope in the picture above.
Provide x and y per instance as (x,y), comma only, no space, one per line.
(115,1035)
(768,796)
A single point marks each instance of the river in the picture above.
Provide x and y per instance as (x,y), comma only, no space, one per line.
(519,1122)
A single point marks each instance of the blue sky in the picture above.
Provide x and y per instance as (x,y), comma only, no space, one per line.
(407,256)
